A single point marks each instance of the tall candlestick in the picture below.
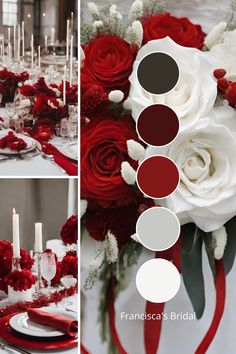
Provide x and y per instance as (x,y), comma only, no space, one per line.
(14,41)
(23,38)
(9,52)
(38,237)
(71,198)
(18,39)
(46,43)
(64,86)
(3,50)
(53,35)
(9,35)
(39,56)
(32,51)
(67,38)
(16,235)
(72,22)
(71,58)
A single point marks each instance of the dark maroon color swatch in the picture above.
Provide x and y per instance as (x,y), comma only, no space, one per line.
(157,177)
(157,125)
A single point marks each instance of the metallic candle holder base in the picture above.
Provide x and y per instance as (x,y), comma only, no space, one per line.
(39,281)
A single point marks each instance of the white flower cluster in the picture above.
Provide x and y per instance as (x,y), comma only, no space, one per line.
(60,103)
(111,248)
(25,103)
(220,241)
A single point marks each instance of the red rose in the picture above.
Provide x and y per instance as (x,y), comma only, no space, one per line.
(181,30)
(103,149)
(69,231)
(27,90)
(110,59)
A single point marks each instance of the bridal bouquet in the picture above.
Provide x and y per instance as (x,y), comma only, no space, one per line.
(204,151)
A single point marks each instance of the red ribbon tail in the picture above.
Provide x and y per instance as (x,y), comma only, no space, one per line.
(83,349)
(152,327)
(220,285)
(111,309)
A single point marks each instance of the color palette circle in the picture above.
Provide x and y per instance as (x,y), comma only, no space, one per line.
(158,73)
(158,280)
(157,125)
(157,177)
(158,228)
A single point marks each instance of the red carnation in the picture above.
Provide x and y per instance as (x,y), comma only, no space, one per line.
(20,280)
(69,266)
(121,222)
(69,231)
(12,142)
(27,90)
(110,60)
(6,254)
(180,30)
(103,149)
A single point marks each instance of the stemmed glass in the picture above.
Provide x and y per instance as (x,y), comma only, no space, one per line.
(64,129)
(68,281)
(48,267)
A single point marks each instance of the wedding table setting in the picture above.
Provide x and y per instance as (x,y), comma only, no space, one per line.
(38,290)
(38,105)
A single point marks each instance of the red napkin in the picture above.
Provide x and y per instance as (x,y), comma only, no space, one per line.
(61,323)
(69,165)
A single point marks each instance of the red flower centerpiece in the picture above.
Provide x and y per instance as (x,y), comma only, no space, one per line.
(9,83)
(12,142)
(19,283)
(69,231)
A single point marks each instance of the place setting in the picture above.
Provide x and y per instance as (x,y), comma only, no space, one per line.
(38,289)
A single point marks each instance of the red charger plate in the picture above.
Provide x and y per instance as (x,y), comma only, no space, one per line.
(16,338)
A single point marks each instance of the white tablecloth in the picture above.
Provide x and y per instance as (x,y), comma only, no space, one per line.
(35,166)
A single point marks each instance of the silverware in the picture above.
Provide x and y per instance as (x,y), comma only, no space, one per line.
(19,350)
(51,159)
(69,310)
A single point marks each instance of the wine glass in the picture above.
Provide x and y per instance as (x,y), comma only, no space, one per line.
(64,128)
(48,267)
(68,281)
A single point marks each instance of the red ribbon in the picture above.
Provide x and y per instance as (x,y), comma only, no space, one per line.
(83,349)
(111,309)
(220,285)
(152,328)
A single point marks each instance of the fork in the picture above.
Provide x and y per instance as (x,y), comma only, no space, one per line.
(51,159)
(22,351)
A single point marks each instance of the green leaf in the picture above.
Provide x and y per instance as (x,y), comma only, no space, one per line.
(230,249)
(191,267)
(209,246)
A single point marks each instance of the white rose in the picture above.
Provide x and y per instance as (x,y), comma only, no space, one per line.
(205,156)
(223,55)
(195,93)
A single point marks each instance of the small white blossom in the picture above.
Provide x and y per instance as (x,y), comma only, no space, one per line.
(61,103)
(93,9)
(135,238)
(220,238)
(116,96)
(52,105)
(115,15)
(127,104)
(97,25)
(20,84)
(28,82)
(128,173)
(57,92)
(83,207)
(136,10)
(111,248)
(137,29)
(135,150)
(25,103)
(216,35)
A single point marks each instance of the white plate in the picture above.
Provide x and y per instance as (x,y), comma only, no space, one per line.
(22,324)
(31,144)
(70,150)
